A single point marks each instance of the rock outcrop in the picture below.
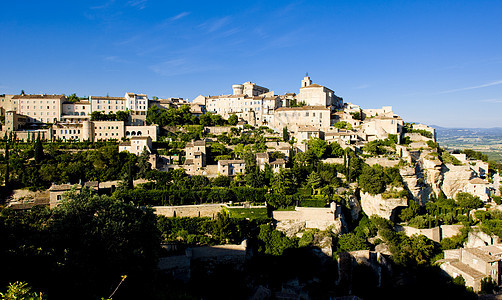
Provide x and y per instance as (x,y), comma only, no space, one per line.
(376,205)
(455,178)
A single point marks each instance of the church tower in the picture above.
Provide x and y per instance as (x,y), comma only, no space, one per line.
(306,80)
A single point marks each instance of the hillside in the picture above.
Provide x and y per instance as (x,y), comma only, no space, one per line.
(486,140)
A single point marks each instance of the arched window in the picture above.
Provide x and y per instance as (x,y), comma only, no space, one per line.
(128,133)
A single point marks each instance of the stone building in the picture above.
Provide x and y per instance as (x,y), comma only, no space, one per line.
(195,154)
(380,126)
(231,167)
(100,130)
(293,117)
(40,108)
(56,192)
(317,95)
(473,264)
(136,145)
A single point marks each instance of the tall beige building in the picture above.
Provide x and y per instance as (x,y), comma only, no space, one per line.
(317,95)
(40,108)
(292,117)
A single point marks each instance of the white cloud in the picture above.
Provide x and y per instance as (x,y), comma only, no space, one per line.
(104,5)
(492,100)
(140,4)
(179,16)
(498,82)
(179,66)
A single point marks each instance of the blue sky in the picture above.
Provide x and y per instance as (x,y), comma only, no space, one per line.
(436,62)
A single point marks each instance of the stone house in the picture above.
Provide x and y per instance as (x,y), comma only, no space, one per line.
(195,154)
(306,132)
(231,167)
(263,159)
(479,187)
(473,264)
(56,192)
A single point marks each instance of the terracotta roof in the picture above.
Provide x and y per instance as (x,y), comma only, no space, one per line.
(278,161)
(315,85)
(38,97)
(467,270)
(262,155)
(233,161)
(481,254)
(63,187)
(189,162)
(140,137)
(127,143)
(199,143)
(107,98)
(302,108)
(478,181)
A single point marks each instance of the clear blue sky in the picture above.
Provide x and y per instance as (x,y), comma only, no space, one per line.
(436,62)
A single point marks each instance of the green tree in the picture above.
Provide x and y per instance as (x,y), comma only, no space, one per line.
(468,201)
(285,134)
(144,164)
(317,147)
(372,180)
(122,115)
(273,242)
(38,150)
(206,120)
(352,242)
(233,119)
(20,291)
(283,183)
(73,98)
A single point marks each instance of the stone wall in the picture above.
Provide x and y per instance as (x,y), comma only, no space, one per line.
(436,234)
(383,161)
(431,233)
(292,222)
(203,210)
(217,129)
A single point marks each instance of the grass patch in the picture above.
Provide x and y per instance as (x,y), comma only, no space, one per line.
(248,213)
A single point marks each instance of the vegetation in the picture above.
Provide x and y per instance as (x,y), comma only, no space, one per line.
(81,247)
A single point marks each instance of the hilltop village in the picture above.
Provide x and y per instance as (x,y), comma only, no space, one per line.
(248,185)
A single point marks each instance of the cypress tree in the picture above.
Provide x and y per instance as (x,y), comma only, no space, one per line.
(38,149)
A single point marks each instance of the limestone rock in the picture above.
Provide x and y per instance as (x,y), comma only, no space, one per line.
(290,227)
(456,178)
(355,207)
(376,205)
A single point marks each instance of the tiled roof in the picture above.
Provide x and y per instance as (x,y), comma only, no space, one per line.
(107,98)
(481,254)
(467,270)
(38,97)
(302,108)
(63,187)
(234,161)
(478,181)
